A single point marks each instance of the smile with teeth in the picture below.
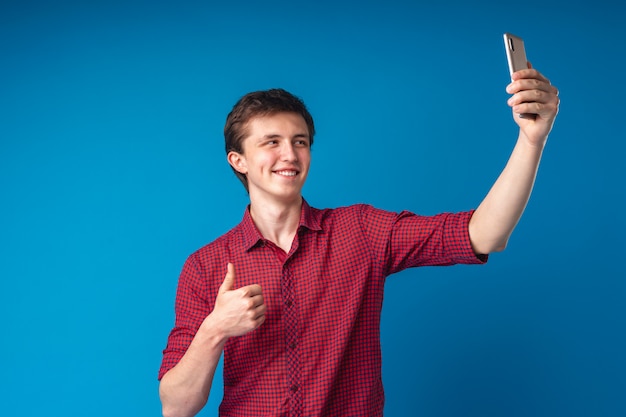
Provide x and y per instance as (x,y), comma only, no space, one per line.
(286,173)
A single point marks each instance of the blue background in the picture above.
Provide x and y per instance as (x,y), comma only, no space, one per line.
(112,172)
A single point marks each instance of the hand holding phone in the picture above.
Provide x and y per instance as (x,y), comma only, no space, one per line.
(516,56)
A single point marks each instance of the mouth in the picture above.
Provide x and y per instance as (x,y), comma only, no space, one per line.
(286,173)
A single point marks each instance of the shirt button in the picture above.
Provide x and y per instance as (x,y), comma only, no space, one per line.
(293,345)
(294,388)
(289,303)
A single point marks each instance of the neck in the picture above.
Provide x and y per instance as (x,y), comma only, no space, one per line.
(277,222)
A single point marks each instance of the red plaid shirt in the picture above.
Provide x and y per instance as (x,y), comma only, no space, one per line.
(318,352)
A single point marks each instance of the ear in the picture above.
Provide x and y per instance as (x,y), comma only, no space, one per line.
(238,162)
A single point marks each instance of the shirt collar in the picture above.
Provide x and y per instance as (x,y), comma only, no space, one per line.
(310,218)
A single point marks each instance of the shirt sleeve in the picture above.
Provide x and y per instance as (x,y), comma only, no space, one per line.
(192,307)
(407,240)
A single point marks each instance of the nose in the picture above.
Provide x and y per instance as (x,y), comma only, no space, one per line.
(288,152)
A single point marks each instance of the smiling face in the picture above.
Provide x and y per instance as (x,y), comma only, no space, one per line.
(276,157)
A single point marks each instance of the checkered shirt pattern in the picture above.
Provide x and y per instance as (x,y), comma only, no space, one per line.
(318,352)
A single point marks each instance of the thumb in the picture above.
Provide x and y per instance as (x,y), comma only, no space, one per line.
(229,279)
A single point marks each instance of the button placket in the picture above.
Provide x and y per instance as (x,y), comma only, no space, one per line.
(291,322)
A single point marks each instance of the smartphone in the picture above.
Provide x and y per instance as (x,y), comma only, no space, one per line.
(516,55)
(515,52)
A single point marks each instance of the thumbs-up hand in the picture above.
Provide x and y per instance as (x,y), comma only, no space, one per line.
(238,311)
(229,280)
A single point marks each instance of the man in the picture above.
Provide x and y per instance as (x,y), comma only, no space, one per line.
(293,294)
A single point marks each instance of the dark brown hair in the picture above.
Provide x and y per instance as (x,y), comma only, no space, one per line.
(261,103)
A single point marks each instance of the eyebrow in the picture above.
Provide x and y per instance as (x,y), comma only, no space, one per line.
(276,135)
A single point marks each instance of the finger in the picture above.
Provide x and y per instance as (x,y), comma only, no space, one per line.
(256,310)
(229,280)
(533,96)
(257,301)
(541,99)
(259,316)
(258,322)
(527,96)
(251,290)
(545,110)
(529,74)
(532,86)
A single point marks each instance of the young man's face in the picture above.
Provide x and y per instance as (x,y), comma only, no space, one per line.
(276,157)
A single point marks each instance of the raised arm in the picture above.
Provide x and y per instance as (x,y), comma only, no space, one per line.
(185,388)
(498,214)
